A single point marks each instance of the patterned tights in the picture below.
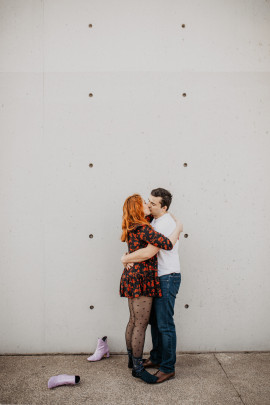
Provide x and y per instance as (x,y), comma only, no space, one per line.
(139,309)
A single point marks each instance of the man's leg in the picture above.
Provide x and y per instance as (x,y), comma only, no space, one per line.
(164,309)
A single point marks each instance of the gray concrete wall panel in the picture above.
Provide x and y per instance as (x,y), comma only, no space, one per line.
(137,130)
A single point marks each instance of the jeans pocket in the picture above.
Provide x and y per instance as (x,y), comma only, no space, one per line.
(175,285)
(165,287)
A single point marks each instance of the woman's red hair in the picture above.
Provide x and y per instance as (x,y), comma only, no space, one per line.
(133,215)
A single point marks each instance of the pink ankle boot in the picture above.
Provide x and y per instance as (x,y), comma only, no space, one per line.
(102,350)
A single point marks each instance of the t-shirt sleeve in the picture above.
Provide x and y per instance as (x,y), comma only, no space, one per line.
(155,238)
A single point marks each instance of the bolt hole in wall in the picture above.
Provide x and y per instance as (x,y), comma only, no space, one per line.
(186,306)
(185,164)
(91,236)
(183,25)
(91,307)
(90,94)
(186,235)
(184,94)
(91,165)
(90,25)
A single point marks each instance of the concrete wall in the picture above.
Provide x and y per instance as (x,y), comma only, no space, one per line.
(137,130)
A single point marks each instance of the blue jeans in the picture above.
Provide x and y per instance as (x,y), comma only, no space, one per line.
(162,323)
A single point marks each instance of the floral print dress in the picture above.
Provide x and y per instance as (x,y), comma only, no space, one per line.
(142,278)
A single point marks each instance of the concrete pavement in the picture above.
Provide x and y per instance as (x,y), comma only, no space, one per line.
(204,378)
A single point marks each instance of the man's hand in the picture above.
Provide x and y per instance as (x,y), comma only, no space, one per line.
(123,259)
(126,264)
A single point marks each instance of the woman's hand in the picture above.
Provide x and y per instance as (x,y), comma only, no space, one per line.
(173,217)
(178,222)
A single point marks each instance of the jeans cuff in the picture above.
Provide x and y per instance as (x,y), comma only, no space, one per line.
(155,361)
(165,370)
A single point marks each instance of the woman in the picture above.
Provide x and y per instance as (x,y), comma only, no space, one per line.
(140,283)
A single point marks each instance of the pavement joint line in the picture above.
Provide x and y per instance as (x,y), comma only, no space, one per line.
(125,354)
(229,379)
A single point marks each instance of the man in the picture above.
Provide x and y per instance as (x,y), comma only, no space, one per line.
(163,354)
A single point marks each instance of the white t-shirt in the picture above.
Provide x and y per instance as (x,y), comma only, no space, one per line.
(168,260)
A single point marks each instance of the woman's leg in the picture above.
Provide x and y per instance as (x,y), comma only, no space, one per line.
(141,307)
(130,325)
(129,331)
